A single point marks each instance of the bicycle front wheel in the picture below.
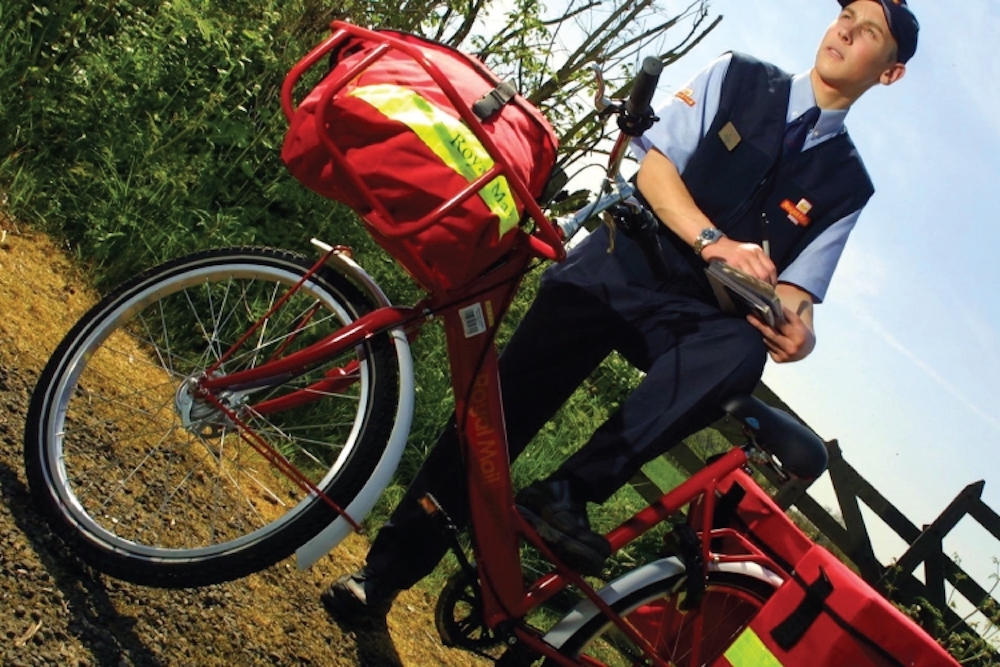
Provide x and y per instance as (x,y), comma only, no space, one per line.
(150,484)
(657,612)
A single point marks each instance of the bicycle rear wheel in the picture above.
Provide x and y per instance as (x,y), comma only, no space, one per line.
(151,485)
(655,610)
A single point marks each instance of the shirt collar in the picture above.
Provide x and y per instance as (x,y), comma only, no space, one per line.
(801,98)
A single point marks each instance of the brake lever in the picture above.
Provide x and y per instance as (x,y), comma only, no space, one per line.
(604,104)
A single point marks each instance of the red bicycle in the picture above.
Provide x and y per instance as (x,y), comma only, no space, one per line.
(222,410)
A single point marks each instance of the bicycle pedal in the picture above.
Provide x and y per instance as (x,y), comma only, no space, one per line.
(446,528)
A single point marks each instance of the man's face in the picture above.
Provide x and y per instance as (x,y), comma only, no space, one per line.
(857,51)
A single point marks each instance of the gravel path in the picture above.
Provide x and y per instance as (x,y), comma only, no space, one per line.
(53,611)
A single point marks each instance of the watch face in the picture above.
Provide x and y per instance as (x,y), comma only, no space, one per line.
(706,237)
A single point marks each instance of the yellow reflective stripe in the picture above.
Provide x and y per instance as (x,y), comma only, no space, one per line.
(749,651)
(449,138)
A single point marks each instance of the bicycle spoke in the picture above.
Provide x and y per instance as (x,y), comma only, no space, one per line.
(671,629)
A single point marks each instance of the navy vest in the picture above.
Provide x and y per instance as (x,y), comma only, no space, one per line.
(735,175)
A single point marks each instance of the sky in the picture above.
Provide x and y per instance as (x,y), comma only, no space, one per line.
(905,373)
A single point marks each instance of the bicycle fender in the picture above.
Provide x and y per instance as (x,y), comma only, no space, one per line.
(342,263)
(328,538)
(638,578)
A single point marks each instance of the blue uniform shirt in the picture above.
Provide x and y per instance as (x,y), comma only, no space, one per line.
(686,118)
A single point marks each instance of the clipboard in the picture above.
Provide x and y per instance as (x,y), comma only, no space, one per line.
(742,294)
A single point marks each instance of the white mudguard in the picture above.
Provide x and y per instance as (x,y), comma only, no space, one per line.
(639,578)
(327,539)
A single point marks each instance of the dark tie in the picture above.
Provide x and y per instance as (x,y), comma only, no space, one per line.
(797,131)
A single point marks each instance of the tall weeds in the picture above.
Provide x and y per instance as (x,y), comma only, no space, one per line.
(140,131)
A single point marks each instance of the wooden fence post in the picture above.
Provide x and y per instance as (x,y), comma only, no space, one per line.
(847,485)
(929,541)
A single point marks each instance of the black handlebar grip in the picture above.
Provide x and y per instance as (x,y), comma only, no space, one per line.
(644,86)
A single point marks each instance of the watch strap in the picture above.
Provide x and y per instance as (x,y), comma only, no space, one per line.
(706,237)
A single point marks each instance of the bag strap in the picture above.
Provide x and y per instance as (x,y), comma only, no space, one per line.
(789,632)
(727,513)
(493,101)
(727,506)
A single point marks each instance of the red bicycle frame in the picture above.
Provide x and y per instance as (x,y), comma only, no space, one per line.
(470,322)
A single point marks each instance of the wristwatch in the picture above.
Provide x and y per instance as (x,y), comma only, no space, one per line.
(707,237)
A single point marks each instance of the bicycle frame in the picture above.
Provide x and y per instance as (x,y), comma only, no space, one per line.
(496,526)
(471,317)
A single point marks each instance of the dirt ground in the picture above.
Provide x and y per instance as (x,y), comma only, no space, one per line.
(54,611)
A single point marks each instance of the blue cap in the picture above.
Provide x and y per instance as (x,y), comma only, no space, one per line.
(902,24)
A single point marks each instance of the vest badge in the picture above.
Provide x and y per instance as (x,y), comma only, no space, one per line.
(798,213)
(730,136)
(686,96)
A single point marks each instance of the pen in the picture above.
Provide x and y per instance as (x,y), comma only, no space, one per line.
(764,242)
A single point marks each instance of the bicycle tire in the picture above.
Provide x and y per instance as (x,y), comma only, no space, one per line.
(730,601)
(145,496)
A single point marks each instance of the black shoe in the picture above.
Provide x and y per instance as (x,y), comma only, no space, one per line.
(357,598)
(562,523)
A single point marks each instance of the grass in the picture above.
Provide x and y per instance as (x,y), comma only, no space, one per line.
(663,474)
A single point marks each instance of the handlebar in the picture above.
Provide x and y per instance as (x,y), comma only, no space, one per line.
(644,87)
(635,116)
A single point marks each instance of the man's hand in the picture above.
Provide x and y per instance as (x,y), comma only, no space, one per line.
(661,184)
(749,258)
(795,338)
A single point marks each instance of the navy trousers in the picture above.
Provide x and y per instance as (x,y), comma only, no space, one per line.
(693,356)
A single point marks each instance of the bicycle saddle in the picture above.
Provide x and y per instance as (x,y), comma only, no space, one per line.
(800,451)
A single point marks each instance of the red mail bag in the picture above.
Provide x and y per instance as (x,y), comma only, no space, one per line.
(827,616)
(438,156)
